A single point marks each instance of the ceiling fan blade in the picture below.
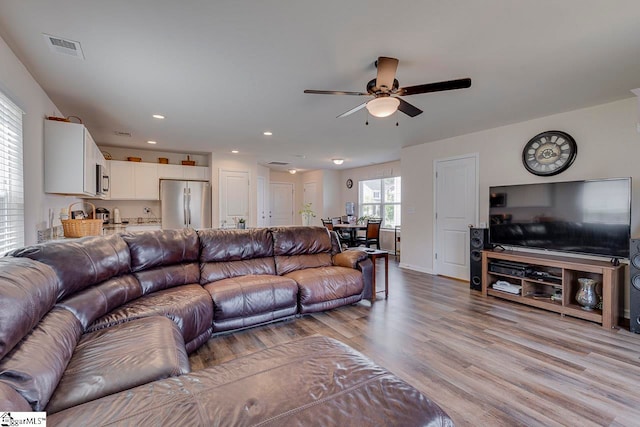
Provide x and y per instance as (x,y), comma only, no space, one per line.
(334,92)
(353,110)
(408,109)
(386,72)
(435,87)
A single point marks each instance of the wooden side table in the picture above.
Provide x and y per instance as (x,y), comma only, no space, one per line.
(374,254)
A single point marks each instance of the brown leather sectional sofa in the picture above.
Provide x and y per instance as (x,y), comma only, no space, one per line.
(98,330)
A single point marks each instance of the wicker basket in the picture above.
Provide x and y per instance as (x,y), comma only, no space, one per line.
(82,227)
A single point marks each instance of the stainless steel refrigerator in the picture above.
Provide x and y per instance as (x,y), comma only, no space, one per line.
(185,204)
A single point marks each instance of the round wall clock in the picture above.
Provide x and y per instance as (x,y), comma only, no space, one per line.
(349,183)
(549,153)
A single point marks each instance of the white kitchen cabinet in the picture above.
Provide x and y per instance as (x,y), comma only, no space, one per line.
(183,172)
(170,171)
(145,178)
(133,181)
(121,175)
(70,159)
(196,172)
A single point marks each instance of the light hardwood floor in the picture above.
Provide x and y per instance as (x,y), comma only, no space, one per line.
(485,361)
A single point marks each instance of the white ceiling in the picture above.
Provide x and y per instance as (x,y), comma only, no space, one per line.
(222,72)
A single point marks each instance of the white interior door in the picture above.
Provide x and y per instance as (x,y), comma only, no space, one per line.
(263,206)
(456,207)
(234,196)
(311,196)
(281,203)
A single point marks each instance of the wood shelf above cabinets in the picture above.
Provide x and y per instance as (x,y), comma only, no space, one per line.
(559,277)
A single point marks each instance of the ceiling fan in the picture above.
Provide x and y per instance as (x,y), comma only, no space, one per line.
(386,91)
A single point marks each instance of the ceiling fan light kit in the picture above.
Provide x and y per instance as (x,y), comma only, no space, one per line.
(383,107)
(386,91)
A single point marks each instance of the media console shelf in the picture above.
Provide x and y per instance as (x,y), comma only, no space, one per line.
(559,274)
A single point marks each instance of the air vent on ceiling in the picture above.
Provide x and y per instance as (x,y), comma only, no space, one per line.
(63,46)
(121,133)
(279,163)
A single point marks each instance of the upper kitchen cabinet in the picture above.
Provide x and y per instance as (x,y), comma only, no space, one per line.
(183,172)
(134,181)
(141,181)
(70,159)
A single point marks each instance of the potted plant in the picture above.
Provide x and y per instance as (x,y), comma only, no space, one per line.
(307,213)
(242,223)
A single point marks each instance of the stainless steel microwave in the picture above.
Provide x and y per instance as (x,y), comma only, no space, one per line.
(102,181)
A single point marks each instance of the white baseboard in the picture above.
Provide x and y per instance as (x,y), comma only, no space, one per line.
(415,268)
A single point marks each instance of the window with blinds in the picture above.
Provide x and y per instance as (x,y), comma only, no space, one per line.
(11,178)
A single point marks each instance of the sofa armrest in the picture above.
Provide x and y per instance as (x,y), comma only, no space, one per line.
(349,258)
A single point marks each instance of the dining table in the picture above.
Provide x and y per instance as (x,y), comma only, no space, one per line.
(352,230)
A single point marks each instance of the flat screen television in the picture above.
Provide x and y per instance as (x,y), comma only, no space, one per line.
(589,217)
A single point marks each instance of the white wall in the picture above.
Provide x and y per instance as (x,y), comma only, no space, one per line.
(19,85)
(608,146)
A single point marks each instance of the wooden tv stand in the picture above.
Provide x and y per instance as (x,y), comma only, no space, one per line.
(563,274)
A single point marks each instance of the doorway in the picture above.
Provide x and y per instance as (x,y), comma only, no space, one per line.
(234,196)
(280,203)
(456,208)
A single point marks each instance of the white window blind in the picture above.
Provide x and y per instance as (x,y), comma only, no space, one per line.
(11,178)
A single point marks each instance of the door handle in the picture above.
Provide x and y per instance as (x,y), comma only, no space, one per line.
(184,206)
(189,206)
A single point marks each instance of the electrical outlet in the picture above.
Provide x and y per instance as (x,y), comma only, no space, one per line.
(146,210)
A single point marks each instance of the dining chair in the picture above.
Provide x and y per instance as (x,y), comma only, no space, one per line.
(327,223)
(372,235)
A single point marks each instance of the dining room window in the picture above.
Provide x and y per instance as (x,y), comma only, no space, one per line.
(11,178)
(380,198)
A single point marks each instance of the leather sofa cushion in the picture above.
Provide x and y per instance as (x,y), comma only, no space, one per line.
(162,247)
(317,285)
(233,253)
(11,400)
(189,306)
(98,300)
(119,358)
(213,271)
(300,240)
(349,258)
(234,245)
(312,381)
(34,367)
(297,248)
(81,263)
(165,277)
(244,298)
(28,290)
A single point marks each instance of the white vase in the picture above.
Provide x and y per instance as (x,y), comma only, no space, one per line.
(306,220)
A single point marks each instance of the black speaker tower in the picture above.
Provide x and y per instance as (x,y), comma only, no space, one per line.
(634,288)
(479,240)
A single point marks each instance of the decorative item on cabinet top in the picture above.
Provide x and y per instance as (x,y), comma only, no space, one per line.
(134,159)
(188,162)
(65,119)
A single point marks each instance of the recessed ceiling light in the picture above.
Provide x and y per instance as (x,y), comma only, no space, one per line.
(151,142)
(292,171)
(158,116)
(267,133)
(235,151)
(338,161)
